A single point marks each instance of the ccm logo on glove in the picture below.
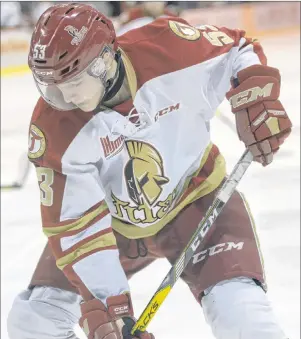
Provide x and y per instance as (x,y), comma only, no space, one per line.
(250,95)
(121,310)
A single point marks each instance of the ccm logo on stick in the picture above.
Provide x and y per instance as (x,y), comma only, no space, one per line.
(205,229)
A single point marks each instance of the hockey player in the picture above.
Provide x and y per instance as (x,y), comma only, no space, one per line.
(121,143)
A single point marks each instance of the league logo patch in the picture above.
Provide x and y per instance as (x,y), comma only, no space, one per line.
(184,31)
(36,143)
(111,148)
(76,34)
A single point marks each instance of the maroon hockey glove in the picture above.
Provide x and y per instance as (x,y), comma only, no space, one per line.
(261,121)
(114,322)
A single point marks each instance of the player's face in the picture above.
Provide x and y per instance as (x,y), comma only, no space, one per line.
(85,92)
(87,89)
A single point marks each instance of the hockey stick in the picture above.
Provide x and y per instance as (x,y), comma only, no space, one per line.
(204,226)
(23,174)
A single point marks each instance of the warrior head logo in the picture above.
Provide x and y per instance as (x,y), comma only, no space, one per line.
(144,172)
(76,34)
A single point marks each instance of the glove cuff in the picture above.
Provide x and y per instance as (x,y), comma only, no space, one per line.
(258,71)
(95,314)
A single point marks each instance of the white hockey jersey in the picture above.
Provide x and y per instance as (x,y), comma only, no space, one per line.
(135,167)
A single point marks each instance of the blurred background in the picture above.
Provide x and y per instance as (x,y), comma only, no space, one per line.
(273,192)
(259,18)
(20,14)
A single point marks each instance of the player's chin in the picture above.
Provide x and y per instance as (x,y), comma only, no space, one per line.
(88,106)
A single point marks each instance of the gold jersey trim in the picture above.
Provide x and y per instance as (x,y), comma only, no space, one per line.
(130,73)
(100,243)
(75,225)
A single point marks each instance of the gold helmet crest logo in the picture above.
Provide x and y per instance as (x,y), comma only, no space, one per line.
(144,172)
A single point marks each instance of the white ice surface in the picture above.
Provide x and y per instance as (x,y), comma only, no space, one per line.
(273,193)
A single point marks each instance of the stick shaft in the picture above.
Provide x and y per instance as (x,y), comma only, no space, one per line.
(204,226)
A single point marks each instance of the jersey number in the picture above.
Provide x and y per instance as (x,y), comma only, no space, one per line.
(45,178)
(215,37)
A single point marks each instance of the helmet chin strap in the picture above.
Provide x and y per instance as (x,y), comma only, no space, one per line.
(114,84)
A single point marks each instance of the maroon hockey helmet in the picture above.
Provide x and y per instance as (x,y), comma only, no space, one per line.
(66,40)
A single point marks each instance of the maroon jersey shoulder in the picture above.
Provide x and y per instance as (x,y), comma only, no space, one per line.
(170,44)
(51,132)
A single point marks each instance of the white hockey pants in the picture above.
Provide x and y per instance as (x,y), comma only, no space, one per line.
(234,309)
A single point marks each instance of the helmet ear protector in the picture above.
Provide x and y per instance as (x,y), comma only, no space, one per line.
(114,84)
